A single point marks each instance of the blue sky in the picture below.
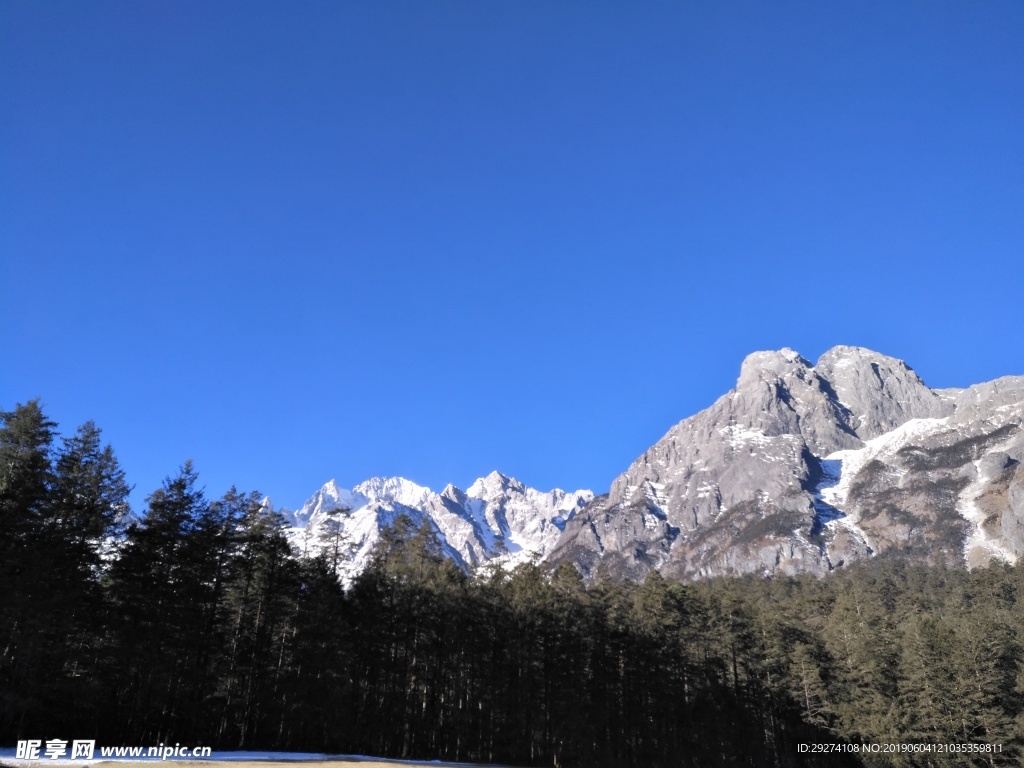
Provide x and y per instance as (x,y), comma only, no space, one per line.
(297,241)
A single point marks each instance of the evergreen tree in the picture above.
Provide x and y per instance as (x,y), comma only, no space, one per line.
(84,519)
(259,606)
(154,584)
(334,540)
(27,616)
(90,494)
(319,691)
(26,472)
(861,637)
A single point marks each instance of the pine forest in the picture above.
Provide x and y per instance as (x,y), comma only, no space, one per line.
(195,621)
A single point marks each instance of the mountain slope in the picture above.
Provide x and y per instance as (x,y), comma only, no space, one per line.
(802,467)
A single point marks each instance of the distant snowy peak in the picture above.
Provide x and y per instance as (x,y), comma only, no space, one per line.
(494,485)
(330,498)
(497,517)
(520,512)
(267,506)
(394,489)
(497,486)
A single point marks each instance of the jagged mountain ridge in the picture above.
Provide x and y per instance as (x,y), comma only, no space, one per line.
(496,518)
(803,467)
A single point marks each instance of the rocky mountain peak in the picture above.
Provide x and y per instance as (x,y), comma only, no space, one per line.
(781,393)
(494,485)
(880,392)
(453,493)
(767,366)
(330,498)
(803,467)
(394,489)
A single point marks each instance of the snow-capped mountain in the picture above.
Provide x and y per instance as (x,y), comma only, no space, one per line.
(799,468)
(803,467)
(496,518)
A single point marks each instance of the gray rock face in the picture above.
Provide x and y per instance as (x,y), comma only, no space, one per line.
(880,392)
(942,490)
(1011,522)
(801,468)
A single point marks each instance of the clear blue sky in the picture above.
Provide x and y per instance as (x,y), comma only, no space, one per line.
(297,241)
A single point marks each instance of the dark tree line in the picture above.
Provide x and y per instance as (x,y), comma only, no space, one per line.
(199,623)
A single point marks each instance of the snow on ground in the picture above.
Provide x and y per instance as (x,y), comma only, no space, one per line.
(884,446)
(840,468)
(979,548)
(239,759)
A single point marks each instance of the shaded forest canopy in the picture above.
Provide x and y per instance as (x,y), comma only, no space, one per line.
(200,624)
